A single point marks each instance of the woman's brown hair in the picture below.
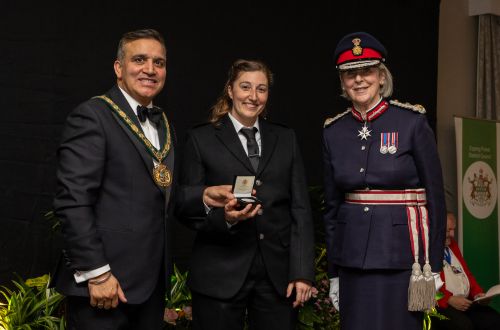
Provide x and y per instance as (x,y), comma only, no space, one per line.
(224,103)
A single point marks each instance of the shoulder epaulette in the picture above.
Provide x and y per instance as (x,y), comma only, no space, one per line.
(330,120)
(415,107)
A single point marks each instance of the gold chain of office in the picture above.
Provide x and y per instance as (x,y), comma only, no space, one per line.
(161,174)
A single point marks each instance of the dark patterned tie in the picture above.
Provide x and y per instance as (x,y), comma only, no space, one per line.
(252,146)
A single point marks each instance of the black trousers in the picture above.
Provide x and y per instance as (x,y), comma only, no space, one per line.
(477,317)
(257,302)
(145,316)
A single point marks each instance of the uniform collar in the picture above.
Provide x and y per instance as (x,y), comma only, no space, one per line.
(373,113)
(238,126)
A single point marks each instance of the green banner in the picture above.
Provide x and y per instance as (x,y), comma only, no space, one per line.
(479,225)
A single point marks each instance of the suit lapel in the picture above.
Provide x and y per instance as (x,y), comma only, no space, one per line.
(169,160)
(117,97)
(229,138)
(268,142)
(161,133)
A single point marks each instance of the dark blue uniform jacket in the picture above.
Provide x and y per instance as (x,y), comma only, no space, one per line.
(377,236)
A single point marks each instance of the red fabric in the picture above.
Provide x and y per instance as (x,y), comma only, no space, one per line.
(367,53)
(474,286)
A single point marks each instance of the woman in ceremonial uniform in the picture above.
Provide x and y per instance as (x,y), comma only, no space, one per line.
(385,213)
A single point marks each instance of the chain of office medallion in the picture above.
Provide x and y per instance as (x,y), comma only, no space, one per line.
(157,154)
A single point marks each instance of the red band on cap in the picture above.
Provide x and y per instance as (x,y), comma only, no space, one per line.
(348,56)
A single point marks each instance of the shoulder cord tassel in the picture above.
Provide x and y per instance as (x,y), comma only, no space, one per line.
(421,289)
(430,286)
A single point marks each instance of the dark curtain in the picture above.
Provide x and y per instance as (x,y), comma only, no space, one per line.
(488,68)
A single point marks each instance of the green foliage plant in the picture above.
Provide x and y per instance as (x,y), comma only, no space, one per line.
(429,315)
(31,306)
(178,311)
(318,312)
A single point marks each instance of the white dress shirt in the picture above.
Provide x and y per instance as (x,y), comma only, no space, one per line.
(148,127)
(238,126)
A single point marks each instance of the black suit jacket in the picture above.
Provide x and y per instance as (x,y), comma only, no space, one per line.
(111,210)
(222,256)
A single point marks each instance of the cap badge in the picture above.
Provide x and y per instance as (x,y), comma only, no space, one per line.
(357,50)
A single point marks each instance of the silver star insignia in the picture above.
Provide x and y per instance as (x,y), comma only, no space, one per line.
(364,133)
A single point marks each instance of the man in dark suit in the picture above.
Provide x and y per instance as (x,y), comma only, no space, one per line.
(254,260)
(114,183)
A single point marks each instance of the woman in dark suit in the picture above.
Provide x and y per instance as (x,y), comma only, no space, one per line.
(385,210)
(255,259)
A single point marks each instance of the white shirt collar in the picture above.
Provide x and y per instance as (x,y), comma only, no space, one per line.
(238,126)
(132,102)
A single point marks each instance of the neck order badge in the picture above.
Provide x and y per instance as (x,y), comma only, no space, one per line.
(161,174)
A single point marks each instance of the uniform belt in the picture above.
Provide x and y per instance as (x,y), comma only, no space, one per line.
(407,197)
(421,289)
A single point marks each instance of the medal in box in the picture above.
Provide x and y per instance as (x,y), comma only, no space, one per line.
(242,189)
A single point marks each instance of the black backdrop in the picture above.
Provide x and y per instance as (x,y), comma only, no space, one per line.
(55,55)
